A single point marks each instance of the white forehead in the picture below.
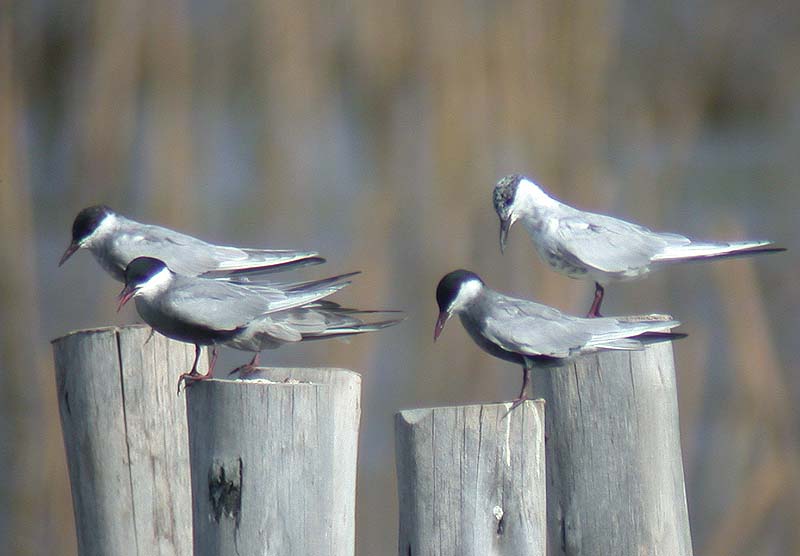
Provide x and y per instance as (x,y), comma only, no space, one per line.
(468,291)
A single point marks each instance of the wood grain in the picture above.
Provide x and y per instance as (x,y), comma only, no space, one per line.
(614,470)
(274,463)
(471,480)
(126,440)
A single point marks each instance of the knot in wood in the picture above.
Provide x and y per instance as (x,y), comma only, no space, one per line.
(225,489)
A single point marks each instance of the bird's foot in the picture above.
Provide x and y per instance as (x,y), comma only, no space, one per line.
(244,370)
(187,379)
(516,403)
(247,368)
(595,314)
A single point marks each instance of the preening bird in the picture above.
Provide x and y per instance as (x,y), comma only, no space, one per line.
(531,334)
(115,241)
(250,316)
(593,246)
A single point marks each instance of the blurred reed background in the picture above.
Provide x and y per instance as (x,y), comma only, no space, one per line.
(373,132)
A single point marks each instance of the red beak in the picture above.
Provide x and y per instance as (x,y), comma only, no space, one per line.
(440,322)
(125,296)
(68,253)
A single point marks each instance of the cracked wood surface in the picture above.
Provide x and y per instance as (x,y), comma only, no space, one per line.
(471,480)
(125,436)
(615,481)
(274,463)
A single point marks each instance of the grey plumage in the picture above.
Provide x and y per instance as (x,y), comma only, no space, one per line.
(315,321)
(115,241)
(530,334)
(250,316)
(583,244)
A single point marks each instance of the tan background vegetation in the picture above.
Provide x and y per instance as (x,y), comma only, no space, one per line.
(373,131)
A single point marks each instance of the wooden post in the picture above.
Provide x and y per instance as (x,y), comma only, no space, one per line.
(274,463)
(614,470)
(471,480)
(125,436)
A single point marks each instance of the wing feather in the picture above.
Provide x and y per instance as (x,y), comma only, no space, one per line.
(609,244)
(190,256)
(528,328)
(224,305)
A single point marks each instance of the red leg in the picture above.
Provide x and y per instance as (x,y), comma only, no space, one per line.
(598,299)
(247,368)
(193,376)
(526,376)
(214,354)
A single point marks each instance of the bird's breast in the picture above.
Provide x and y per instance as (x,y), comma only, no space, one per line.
(176,328)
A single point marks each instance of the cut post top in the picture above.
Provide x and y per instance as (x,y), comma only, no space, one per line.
(97,330)
(275,375)
(412,416)
(293,375)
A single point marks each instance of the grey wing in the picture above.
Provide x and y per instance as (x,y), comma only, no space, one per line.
(295,324)
(609,244)
(228,305)
(182,253)
(319,320)
(532,329)
(190,256)
(529,328)
(217,305)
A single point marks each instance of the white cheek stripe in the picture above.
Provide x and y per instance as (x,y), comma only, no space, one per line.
(156,283)
(468,291)
(106,226)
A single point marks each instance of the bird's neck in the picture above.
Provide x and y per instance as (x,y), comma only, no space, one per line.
(156,285)
(104,231)
(467,294)
(533,204)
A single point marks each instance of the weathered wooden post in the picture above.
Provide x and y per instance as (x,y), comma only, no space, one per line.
(471,480)
(126,441)
(274,463)
(614,470)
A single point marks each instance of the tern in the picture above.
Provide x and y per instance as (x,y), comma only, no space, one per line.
(250,316)
(115,241)
(593,246)
(530,334)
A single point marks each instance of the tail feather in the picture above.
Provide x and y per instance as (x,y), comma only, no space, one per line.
(623,344)
(254,280)
(353,329)
(248,270)
(325,305)
(701,250)
(656,337)
(316,284)
(640,341)
(305,296)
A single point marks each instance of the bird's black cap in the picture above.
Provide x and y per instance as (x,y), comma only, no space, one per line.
(141,269)
(504,193)
(88,220)
(448,287)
